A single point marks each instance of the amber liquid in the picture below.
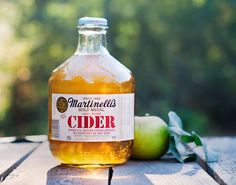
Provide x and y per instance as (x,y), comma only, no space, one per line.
(90,74)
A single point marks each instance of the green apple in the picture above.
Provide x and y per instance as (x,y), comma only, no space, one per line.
(151,138)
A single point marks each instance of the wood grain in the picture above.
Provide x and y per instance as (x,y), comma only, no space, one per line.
(162,172)
(11,155)
(41,168)
(21,139)
(71,175)
(223,171)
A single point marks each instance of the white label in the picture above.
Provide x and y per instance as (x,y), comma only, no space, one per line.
(92,117)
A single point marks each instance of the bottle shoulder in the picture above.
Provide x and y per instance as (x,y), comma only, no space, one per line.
(92,67)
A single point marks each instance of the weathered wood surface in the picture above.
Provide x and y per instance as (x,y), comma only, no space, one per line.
(23,139)
(46,170)
(40,167)
(163,172)
(65,175)
(223,171)
(11,155)
(34,169)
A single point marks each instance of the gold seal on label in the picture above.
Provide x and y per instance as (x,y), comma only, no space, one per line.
(62,104)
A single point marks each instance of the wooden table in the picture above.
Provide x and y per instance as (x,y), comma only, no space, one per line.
(28,161)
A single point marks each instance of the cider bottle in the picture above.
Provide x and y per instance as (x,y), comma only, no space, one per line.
(91,102)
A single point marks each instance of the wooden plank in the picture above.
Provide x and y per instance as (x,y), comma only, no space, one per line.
(11,155)
(223,171)
(165,171)
(71,175)
(18,139)
(41,168)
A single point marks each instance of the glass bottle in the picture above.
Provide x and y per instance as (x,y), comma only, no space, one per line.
(91,102)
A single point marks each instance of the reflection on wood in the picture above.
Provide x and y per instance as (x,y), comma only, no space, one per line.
(71,175)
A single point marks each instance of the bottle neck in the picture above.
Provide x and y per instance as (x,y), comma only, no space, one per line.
(91,41)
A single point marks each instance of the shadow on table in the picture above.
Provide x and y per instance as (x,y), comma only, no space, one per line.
(163,171)
(132,172)
(63,174)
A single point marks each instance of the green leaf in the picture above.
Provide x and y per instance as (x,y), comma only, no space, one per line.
(178,131)
(173,150)
(187,139)
(197,139)
(179,151)
(179,138)
(210,155)
(174,120)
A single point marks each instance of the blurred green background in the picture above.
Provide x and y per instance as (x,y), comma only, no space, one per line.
(182,52)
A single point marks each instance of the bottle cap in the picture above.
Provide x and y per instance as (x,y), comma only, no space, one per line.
(92,21)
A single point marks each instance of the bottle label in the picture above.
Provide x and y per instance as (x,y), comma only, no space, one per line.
(92,117)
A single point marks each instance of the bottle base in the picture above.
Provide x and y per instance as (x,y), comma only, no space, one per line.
(91,154)
(88,166)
